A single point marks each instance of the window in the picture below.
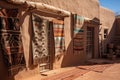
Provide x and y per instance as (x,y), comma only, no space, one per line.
(105,33)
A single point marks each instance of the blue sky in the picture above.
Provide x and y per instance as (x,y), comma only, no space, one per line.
(114,5)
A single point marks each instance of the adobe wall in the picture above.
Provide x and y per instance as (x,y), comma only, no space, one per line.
(107,20)
(90,9)
(87,8)
(80,9)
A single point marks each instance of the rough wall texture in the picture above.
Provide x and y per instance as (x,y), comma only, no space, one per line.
(107,18)
(90,9)
(87,8)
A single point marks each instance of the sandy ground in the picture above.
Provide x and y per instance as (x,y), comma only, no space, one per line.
(88,72)
(111,73)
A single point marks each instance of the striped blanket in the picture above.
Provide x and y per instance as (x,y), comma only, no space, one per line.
(78,41)
(58,27)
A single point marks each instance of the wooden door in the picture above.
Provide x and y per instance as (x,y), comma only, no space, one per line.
(90,42)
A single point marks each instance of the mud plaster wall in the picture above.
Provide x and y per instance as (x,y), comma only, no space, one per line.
(87,8)
(90,9)
(107,19)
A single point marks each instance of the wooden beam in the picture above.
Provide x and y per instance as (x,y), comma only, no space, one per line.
(40,6)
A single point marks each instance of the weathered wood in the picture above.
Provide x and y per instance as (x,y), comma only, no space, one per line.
(36,5)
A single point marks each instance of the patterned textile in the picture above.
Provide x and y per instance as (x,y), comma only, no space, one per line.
(9,12)
(78,41)
(78,24)
(11,44)
(59,39)
(40,39)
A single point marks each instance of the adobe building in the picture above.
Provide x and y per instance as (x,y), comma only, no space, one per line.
(107,29)
(117,34)
(52,34)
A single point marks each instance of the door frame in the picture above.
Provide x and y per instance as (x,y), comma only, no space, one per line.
(93,51)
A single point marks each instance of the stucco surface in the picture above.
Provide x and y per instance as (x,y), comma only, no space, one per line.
(107,19)
(87,8)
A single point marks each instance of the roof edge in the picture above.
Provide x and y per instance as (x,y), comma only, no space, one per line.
(107,9)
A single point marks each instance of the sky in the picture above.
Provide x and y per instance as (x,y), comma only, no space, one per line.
(114,5)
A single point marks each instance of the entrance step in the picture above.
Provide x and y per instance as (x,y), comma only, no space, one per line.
(45,70)
(44,64)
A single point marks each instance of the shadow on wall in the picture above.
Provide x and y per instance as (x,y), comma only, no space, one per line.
(117,32)
(110,36)
(112,45)
(107,39)
(4,13)
(70,58)
(4,75)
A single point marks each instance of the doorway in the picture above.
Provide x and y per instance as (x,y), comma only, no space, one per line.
(90,42)
(48,42)
(41,43)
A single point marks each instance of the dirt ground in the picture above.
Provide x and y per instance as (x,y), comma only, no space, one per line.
(98,70)
(111,73)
